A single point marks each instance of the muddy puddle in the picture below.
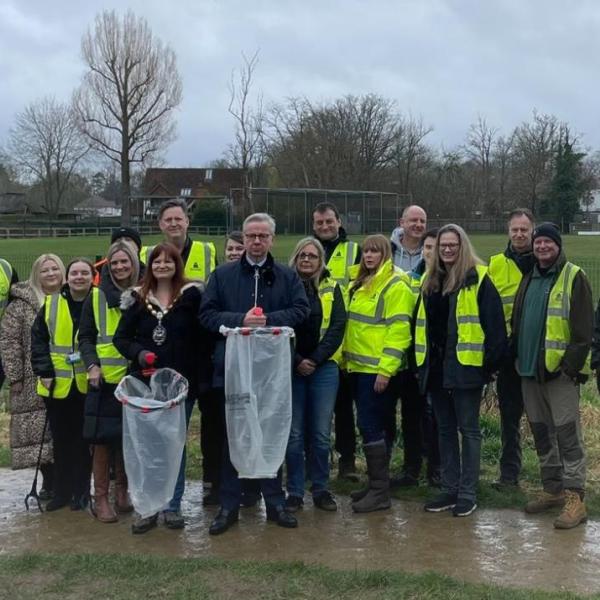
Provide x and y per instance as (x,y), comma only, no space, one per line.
(500,547)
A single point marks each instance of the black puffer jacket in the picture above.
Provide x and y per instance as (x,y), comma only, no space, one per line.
(453,374)
(308,334)
(188,346)
(230,295)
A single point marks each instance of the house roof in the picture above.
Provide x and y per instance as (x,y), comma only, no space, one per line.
(95,202)
(12,203)
(191,182)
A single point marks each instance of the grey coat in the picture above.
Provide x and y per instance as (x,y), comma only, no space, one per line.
(27,410)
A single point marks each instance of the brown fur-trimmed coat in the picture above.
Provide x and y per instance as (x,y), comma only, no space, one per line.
(27,410)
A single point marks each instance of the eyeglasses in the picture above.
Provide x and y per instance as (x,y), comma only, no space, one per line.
(308,256)
(453,246)
(261,237)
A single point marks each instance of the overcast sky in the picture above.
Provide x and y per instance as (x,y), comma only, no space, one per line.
(445,60)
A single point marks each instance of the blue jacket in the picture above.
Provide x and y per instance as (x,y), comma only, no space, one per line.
(230,295)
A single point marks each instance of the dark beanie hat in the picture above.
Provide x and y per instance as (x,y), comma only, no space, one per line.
(128,232)
(549,230)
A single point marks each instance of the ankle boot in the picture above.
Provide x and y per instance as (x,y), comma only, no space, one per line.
(103,511)
(378,463)
(122,501)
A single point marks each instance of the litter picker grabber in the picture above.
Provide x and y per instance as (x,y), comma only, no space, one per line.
(33,492)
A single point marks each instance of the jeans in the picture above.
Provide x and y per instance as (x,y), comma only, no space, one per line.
(313,400)
(373,410)
(175,502)
(458,411)
(510,403)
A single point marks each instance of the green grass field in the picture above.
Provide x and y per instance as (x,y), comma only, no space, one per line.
(81,577)
(23,251)
(582,250)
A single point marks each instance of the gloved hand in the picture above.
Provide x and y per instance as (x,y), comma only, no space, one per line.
(146,359)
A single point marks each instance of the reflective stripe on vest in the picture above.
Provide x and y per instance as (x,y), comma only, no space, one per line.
(558,330)
(60,329)
(201,261)
(6,273)
(327,296)
(114,366)
(342,258)
(470,342)
(378,327)
(506,277)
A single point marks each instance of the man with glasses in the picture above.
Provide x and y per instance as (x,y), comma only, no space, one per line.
(234,291)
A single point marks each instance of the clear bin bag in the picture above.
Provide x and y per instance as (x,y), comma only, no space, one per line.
(154,434)
(258,398)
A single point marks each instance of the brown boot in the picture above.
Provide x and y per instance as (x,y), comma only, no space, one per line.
(378,469)
(545,501)
(573,512)
(102,510)
(122,501)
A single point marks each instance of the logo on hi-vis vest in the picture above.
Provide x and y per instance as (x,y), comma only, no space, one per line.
(196,266)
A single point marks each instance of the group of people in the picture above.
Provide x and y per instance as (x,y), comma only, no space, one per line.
(418,318)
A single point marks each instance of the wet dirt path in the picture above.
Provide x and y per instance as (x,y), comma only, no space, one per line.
(501,547)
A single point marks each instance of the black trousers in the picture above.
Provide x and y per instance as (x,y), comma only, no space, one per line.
(212,434)
(419,431)
(510,403)
(72,459)
(345,428)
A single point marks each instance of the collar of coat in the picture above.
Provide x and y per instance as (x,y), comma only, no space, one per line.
(131,296)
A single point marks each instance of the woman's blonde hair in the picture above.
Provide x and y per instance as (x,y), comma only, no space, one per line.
(379,243)
(454,278)
(131,250)
(320,251)
(34,276)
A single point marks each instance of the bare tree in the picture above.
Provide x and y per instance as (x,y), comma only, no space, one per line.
(502,158)
(535,145)
(126,101)
(410,152)
(347,143)
(46,147)
(247,150)
(478,149)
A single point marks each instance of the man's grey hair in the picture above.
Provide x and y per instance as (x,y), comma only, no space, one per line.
(260,218)
(173,203)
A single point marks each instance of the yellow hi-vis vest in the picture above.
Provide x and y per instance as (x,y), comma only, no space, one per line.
(378,328)
(342,258)
(558,331)
(114,365)
(5,279)
(469,345)
(201,261)
(60,328)
(506,277)
(327,296)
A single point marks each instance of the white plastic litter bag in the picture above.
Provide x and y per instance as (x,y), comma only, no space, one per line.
(154,433)
(258,398)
